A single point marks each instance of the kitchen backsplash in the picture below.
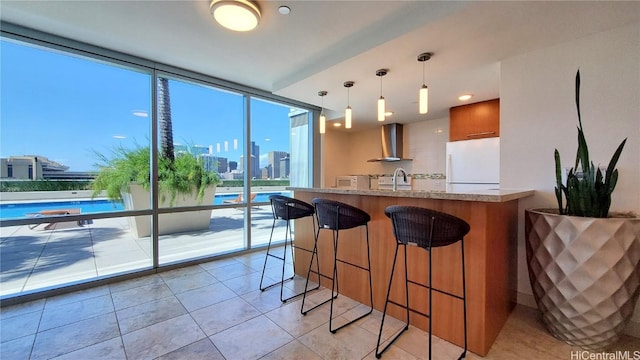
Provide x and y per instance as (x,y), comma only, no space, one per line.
(426,182)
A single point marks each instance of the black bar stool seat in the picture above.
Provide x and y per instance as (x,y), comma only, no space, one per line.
(287,209)
(335,216)
(426,229)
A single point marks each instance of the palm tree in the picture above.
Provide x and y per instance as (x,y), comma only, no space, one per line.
(164,112)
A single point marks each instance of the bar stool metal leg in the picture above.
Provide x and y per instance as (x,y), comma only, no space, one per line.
(335,276)
(314,254)
(269,254)
(408,227)
(386,303)
(286,208)
(334,216)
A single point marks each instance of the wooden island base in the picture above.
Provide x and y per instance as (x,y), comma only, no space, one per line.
(490,256)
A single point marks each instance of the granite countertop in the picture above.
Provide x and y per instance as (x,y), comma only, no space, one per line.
(501,195)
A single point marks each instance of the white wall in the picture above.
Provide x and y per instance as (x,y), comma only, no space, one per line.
(424,142)
(335,145)
(538,114)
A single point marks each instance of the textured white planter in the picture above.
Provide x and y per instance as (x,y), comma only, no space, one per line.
(139,199)
(585,275)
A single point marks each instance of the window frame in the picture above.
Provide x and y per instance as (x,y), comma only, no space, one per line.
(50,42)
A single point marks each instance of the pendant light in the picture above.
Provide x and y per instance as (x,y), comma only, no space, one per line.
(347,111)
(323,117)
(423,96)
(381,110)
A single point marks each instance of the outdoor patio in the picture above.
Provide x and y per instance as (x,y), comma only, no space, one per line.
(37,259)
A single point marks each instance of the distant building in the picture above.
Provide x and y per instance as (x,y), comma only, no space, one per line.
(285,165)
(254,168)
(36,167)
(233,165)
(255,160)
(214,163)
(191,149)
(211,163)
(274,163)
(180,149)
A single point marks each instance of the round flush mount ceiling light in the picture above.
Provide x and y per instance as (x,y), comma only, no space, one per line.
(465,97)
(236,15)
(284,10)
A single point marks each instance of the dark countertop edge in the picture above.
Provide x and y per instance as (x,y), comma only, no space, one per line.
(503,195)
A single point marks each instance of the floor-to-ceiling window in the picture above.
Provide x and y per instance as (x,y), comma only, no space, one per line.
(279,138)
(69,115)
(60,114)
(206,123)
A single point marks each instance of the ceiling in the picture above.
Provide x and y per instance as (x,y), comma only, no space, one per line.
(322,44)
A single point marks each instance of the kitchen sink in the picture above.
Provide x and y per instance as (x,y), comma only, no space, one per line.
(386,183)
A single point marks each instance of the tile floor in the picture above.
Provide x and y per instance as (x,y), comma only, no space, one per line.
(215,311)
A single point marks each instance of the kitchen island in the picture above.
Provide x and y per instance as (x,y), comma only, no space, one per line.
(490,259)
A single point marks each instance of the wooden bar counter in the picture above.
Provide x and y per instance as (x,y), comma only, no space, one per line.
(490,256)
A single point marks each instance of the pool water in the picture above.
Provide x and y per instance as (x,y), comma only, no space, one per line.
(21,210)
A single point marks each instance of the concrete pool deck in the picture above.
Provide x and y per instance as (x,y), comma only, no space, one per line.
(37,259)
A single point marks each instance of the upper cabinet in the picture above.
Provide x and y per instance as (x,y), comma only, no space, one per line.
(475,121)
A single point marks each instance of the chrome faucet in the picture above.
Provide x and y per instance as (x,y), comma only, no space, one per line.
(395,177)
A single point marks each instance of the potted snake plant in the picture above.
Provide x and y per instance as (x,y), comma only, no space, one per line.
(583,261)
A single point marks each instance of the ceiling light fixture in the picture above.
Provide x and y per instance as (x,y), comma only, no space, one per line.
(284,10)
(423,96)
(465,97)
(323,117)
(347,111)
(236,15)
(381,73)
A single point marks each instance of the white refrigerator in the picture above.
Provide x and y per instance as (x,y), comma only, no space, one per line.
(473,165)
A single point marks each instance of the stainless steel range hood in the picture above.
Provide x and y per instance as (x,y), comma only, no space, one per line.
(392,143)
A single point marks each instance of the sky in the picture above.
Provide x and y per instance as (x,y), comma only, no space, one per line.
(66,108)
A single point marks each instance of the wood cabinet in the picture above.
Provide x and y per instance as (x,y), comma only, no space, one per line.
(475,121)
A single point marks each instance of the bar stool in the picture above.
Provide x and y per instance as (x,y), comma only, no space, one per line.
(427,229)
(287,209)
(335,216)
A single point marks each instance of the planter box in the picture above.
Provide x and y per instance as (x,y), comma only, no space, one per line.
(139,199)
(585,275)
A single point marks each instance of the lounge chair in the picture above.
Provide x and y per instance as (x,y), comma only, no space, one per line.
(239,199)
(56,212)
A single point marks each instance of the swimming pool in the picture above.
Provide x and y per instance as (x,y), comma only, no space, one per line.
(20,210)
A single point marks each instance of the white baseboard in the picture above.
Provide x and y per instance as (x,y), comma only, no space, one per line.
(632,329)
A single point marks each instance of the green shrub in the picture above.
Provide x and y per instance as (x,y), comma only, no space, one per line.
(43,185)
(179,176)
